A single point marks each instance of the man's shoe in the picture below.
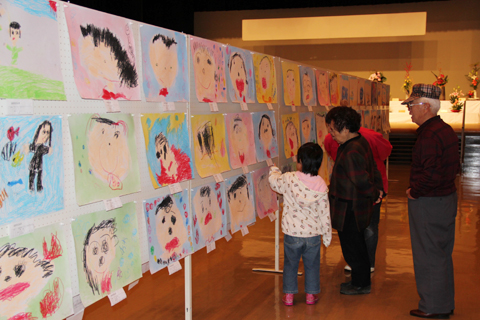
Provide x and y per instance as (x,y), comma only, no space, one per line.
(352,290)
(288,299)
(419,313)
(345,284)
(312,298)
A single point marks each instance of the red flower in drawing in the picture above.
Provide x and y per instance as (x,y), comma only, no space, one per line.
(53,299)
(55,251)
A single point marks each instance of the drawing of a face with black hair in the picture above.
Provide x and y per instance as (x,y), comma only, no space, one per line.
(239,139)
(15,33)
(238,75)
(108,150)
(170,229)
(206,140)
(98,254)
(292,137)
(23,275)
(323,92)
(290,87)
(165,155)
(306,129)
(103,55)
(40,146)
(266,133)
(239,202)
(205,78)
(307,89)
(208,212)
(164,61)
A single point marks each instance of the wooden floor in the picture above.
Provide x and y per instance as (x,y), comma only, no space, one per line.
(224,286)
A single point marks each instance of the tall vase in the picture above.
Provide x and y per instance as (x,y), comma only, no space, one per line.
(442,95)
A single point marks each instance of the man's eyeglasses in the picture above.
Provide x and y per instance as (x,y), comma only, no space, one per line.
(409,106)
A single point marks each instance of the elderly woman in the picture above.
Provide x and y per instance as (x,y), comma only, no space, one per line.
(356,185)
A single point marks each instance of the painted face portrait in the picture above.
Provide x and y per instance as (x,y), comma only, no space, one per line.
(204,66)
(266,132)
(239,138)
(265,70)
(238,75)
(15,34)
(264,191)
(292,137)
(108,151)
(290,84)
(239,202)
(165,156)
(208,212)
(171,233)
(306,127)
(99,60)
(307,89)
(333,90)
(44,134)
(164,60)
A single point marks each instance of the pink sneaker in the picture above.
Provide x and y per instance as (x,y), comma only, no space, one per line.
(288,299)
(312,298)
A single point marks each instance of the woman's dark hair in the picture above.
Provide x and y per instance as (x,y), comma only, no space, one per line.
(310,155)
(344,118)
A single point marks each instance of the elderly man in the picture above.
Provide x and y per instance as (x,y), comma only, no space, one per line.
(432,203)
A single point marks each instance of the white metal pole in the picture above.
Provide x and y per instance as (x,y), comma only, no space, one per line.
(188,288)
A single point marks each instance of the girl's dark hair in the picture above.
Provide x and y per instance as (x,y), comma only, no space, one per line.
(266,117)
(310,155)
(344,117)
(37,132)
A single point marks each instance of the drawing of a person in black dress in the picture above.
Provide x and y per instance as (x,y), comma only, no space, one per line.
(41,145)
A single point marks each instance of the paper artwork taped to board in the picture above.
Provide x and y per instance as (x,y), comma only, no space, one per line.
(240,198)
(265,129)
(35,276)
(368,93)
(103,54)
(376,122)
(291,84)
(104,155)
(334,82)
(209,214)
(209,144)
(168,149)
(323,91)
(344,87)
(360,92)
(31,167)
(374,93)
(307,123)
(208,61)
(353,91)
(107,248)
(386,101)
(169,229)
(265,199)
(309,96)
(265,78)
(29,69)
(165,64)
(322,131)
(241,141)
(367,119)
(240,76)
(291,138)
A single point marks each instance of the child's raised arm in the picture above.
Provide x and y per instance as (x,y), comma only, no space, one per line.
(277,180)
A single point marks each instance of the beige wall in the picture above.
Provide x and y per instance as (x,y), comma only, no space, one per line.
(452,42)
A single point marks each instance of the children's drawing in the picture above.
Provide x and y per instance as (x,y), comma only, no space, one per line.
(377,118)
(208,60)
(240,201)
(386,101)
(360,92)
(353,91)
(322,131)
(31,167)
(333,83)
(291,83)
(309,96)
(209,218)
(384,95)
(165,64)
(345,90)
(307,124)
(168,148)
(265,199)
(368,93)
(169,229)
(265,129)
(374,93)
(265,78)
(104,154)
(367,118)
(103,54)
(323,91)
(107,248)
(291,137)
(30,69)
(241,141)
(209,142)
(240,75)
(35,279)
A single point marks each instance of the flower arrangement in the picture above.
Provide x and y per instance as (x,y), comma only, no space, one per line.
(407,83)
(455,99)
(377,76)
(471,94)
(472,77)
(442,79)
